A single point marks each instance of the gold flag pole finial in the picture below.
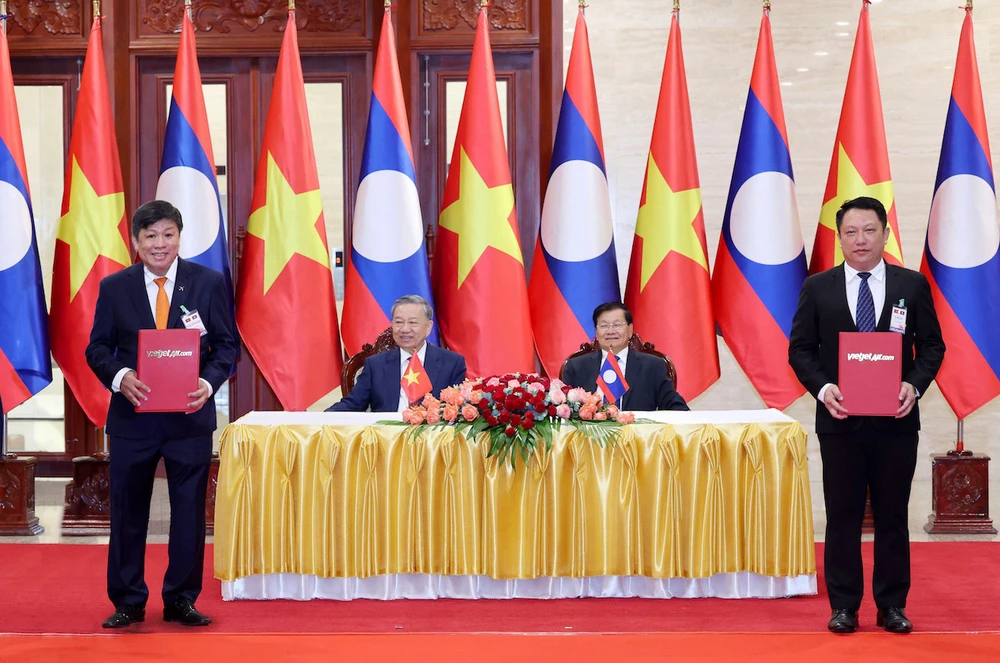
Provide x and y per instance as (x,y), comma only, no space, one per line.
(97,8)
(387,4)
(968,5)
(677,5)
(483,4)
(291,5)
(583,4)
(767,5)
(3,26)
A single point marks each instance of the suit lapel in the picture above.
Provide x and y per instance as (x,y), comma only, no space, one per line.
(392,378)
(431,360)
(140,298)
(181,287)
(631,374)
(839,290)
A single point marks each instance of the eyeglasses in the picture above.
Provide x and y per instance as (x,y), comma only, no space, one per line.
(617,326)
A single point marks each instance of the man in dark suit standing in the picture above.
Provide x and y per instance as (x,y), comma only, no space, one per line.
(152,295)
(646,375)
(876,454)
(379,387)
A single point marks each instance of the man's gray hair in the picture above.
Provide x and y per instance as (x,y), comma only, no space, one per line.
(414,299)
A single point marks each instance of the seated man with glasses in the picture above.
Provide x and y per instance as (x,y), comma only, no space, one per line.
(646,375)
(380,385)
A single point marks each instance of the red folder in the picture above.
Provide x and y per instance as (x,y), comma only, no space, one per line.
(169,362)
(870,372)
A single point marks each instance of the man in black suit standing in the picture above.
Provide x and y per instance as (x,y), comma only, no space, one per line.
(876,454)
(646,375)
(379,387)
(152,295)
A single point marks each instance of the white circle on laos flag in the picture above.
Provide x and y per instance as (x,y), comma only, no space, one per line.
(387,222)
(764,220)
(610,376)
(963,230)
(193,194)
(576,216)
(15,226)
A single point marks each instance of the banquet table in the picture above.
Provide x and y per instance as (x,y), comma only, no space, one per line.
(685,504)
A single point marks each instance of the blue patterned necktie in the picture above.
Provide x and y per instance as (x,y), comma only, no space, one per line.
(865,313)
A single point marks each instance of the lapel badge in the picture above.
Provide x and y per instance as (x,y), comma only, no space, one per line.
(181,288)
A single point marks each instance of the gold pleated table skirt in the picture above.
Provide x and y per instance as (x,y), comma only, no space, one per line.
(682,500)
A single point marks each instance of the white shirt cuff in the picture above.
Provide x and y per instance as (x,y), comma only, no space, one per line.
(207,384)
(822,392)
(116,383)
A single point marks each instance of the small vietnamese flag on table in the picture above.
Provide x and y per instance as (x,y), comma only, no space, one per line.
(415,382)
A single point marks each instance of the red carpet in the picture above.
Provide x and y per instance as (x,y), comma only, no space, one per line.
(61,589)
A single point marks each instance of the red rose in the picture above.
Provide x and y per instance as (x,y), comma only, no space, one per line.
(527,424)
(515,420)
(529,416)
(492,421)
(504,418)
(540,407)
(552,410)
(509,431)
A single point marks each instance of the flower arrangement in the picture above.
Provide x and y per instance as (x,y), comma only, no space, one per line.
(518,412)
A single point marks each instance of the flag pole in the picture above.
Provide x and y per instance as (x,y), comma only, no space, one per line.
(767,7)
(187,9)
(291,5)
(97,9)
(387,5)
(3,26)
(3,417)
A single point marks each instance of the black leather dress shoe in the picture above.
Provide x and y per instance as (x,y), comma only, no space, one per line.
(125,615)
(894,620)
(183,612)
(844,620)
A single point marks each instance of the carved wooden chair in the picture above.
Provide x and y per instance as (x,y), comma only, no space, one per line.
(635,344)
(354,364)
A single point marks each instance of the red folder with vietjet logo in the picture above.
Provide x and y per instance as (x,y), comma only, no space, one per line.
(870,372)
(169,363)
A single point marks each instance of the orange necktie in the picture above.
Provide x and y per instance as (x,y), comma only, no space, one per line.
(162,304)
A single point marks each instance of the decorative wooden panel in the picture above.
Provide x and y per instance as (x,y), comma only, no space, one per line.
(57,17)
(461,15)
(239,17)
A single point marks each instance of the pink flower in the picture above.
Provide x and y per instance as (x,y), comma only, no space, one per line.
(600,416)
(452,396)
(469,412)
(577,395)
(564,411)
(476,396)
(595,399)
(433,416)
(466,390)
(493,382)
(416,416)
(556,396)
(535,387)
(626,417)
(450,413)
(612,412)
(588,411)
(407,415)
(556,383)
(513,384)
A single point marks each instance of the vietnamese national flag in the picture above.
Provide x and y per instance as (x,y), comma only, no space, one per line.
(415,382)
(479,281)
(285,306)
(860,163)
(92,235)
(668,289)
(25,364)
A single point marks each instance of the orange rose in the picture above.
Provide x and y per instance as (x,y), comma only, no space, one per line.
(469,412)
(450,413)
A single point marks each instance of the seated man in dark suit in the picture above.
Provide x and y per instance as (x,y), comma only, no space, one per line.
(649,387)
(378,387)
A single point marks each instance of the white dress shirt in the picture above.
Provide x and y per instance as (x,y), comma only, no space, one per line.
(152,292)
(404,360)
(876,283)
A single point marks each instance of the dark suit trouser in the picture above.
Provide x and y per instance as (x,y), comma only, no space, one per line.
(133,466)
(882,462)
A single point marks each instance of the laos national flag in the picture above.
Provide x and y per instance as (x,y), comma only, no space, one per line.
(961,259)
(187,169)
(574,268)
(761,263)
(25,366)
(388,258)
